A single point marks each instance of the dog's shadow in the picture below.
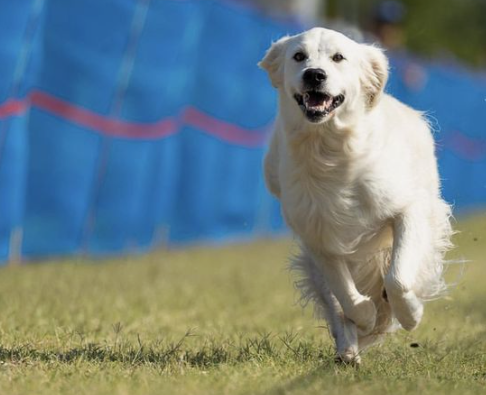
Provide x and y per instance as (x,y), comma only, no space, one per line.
(306,380)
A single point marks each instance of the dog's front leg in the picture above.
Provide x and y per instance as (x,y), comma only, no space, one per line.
(410,248)
(358,308)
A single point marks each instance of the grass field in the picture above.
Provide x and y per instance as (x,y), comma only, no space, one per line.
(222,321)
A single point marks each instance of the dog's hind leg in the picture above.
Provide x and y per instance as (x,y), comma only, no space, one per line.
(313,287)
(384,325)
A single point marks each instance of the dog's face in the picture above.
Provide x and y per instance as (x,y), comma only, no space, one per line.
(324,73)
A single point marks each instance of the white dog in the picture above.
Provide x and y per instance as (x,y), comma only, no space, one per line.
(356,174)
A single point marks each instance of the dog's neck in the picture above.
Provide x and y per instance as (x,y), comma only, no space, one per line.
(331,149)
(319,152)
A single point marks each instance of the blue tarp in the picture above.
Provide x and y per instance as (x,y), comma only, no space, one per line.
(121,124)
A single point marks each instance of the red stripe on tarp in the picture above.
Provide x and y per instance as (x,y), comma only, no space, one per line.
(223,130)
(13,107)
(166,127)
(108,125)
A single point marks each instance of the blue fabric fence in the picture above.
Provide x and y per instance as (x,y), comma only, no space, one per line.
(127,124)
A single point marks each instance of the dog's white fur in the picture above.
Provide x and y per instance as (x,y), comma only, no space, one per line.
(360,190)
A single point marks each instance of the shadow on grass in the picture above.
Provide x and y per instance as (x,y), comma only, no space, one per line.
(97,353)
(306,380)
(263,348)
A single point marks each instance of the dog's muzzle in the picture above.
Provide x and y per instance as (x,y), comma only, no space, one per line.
(317,105)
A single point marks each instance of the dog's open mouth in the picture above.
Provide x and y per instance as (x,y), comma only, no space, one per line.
(316,104)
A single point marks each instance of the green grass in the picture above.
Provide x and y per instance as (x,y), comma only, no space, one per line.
(222,321)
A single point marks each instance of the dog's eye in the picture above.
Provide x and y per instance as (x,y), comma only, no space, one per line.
(300,57)
(337,57)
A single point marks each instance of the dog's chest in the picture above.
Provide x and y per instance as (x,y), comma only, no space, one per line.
(329,212)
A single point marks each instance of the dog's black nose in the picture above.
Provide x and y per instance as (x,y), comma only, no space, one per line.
(314,77)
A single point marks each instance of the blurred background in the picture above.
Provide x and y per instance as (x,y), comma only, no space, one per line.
(127,125)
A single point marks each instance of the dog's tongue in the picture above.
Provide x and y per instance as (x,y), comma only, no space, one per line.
(317,100)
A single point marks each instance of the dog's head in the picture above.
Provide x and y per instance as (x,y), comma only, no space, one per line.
(326,74)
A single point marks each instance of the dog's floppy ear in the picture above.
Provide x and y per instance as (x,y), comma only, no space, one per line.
(273,63)
(375,74)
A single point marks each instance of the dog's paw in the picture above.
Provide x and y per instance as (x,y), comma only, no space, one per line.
(406,307)
(363,314)
(348,357)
